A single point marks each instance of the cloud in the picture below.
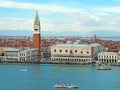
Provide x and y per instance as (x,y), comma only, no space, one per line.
(72,19)
(72,23)
(16,24)
(56,9)
(83,23)
(110,9)
(52,8)
(44,8)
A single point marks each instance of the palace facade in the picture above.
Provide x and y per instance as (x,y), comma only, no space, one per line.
(75,52)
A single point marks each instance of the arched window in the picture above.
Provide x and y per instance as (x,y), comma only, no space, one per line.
(66,50)
(81,51)
(87,52)
(75,51)
(60,50)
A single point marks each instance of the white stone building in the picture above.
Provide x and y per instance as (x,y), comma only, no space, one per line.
(108,57)
(11,54)
(1,51)
(75,53)
(17,54)
(118,57)
(28,55)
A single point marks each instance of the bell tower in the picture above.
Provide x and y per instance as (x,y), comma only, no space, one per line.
(36,33)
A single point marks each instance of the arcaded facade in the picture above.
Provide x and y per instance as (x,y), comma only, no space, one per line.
(108,57)
(75,53)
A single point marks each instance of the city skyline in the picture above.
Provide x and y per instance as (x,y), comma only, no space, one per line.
(84,16)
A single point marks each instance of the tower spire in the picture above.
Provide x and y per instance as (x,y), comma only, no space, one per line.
(37,21)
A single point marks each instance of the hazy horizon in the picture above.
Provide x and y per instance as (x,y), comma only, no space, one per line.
(52,33)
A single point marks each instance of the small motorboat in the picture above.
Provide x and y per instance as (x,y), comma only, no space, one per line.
(66,86)
(103,68)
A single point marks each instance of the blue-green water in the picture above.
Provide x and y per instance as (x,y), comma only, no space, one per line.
(45,76)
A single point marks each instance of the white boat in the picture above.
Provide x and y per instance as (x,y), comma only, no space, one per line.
(103,68)
(23,70)
(66,86)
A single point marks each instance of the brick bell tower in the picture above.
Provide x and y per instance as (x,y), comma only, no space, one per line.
(36,34)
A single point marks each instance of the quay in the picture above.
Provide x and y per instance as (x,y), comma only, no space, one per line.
(48,61)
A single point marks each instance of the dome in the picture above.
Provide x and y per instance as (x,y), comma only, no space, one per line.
(69,42)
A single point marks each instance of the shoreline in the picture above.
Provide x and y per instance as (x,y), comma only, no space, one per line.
(46,62)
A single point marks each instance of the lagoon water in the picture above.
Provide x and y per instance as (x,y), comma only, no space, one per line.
(45,76)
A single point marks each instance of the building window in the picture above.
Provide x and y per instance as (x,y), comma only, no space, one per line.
(66,50)
(54,50)
(81,51)
(87,52)
(71,52)
(36,29)
(60,50)
(75,51)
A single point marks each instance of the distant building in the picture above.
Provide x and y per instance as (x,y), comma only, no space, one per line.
(108,57)
(19,55)
(1,51)
(118,57)
(94,38)
(45,53)
(75,52)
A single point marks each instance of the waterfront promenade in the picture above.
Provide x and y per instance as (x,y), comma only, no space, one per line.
(48,61)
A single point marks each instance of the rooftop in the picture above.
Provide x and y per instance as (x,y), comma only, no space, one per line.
(12,49)
(78,45)
(108,53)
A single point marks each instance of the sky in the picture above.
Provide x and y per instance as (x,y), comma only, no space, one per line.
(82,16)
